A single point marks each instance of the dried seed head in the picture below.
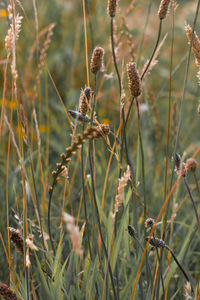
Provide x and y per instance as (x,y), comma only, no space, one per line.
(7,293)
(97,60)
(149,223)
(131,231)
(198,109)
(163,9)
(112,6)
(84,100)
(180,166)
(155,242)
(134,81)
(191,164)
(17,239)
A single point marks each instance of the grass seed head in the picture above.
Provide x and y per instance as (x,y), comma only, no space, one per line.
(7,293)
(131,231)
(155,242)
(149,223)
(134,81)
(97,60)
(17,239)
(191,164)
(112,6)
(163,9)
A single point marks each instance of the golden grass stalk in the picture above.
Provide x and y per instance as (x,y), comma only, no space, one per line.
(7,293)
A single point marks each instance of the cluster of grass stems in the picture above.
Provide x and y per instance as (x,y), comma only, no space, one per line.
(91,210)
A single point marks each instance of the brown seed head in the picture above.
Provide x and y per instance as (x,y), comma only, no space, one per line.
(131,231)
(149,222)
(134,81)
(7,293)
(84,100)
(198,109)
(191,164)
(112,6)
(97,60)
(163,9)
(155,242)
(17,239)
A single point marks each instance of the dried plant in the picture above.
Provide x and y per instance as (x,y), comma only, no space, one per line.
(17,239)
(122,183)
(134,81)
(84,101)
(195,46)
(12,37)
(163,9)
(7,293)
(74,233)
(97,64)
(112,6)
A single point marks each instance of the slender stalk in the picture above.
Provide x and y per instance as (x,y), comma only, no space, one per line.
(142,155)
(193,202)
(179,265)
(99,226)
(91,161)
(197,183)
(84,199)
(154,51)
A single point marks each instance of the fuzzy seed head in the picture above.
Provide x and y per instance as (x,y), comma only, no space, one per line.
(191,164)
(112,6)
(97,60)
(149,223)
(131,231)
(134,81)
(17,239)
(163,9)
(155,242)
(7,293)
(84,100)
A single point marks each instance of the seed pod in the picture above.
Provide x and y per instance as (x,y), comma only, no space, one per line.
(7,293)
(97,60)
(134,81)
(163,9)
(112,6)
(155,242)
(131,231)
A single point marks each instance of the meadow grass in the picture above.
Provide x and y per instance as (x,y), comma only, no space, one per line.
(99,137)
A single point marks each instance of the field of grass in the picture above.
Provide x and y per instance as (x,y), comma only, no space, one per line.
(100,149)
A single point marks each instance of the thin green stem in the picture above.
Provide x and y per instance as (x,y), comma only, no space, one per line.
(193,202)
(99,226)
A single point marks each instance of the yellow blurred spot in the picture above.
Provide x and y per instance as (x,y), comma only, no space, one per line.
(102,112)
(3,13)
(141,219)
(9,104)
(99,153)
(106,121)
(43,128)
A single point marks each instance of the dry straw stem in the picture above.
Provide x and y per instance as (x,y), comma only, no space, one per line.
(112,6)
(134,81)
(7,293)
(163,9)
(195,47)
(97,60)
(74,233)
